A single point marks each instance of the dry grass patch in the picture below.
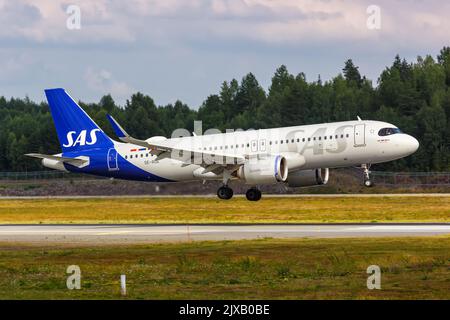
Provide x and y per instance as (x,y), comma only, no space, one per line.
(238,210)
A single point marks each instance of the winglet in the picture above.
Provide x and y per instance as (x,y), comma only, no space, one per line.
(120,132)
(124,136)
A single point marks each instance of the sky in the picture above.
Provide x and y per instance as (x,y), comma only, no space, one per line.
(184,49)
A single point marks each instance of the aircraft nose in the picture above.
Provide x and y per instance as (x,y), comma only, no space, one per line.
(411,144)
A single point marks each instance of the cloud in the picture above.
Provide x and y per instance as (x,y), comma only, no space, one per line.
(15,67)
(102,81)
(281,21)
(184,49)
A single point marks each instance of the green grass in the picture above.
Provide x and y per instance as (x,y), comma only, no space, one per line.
(238,210)
(412,268)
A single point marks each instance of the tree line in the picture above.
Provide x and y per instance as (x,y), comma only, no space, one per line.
(413,95)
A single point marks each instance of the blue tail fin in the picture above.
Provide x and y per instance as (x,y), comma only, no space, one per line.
(76,130)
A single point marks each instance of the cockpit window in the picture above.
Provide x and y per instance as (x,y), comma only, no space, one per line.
(388,131)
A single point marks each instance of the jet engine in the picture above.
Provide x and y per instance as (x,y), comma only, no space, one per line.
(308,178)
(267,169)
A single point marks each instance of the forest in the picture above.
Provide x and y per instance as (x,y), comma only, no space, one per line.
(413,95)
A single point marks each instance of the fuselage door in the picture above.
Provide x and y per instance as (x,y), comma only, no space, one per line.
(360,135)
(112,160)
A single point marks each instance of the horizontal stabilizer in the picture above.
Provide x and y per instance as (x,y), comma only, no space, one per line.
(77,162)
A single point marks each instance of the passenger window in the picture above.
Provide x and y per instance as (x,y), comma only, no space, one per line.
(126,157)
(347,135)
(303,140)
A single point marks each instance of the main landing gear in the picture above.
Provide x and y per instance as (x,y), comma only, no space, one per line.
(253,194)
(225,193)
(367,181)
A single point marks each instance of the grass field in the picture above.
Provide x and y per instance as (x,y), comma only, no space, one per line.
(238,210)
(411,268)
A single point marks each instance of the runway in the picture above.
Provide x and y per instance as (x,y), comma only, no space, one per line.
(119,234)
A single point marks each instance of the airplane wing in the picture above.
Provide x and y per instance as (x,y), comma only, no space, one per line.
(159,147)
(77,162)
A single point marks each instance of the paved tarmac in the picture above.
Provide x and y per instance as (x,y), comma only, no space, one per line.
(119,234)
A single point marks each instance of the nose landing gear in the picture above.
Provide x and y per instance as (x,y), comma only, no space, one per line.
(367,181)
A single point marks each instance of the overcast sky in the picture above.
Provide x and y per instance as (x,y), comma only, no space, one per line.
(184,49)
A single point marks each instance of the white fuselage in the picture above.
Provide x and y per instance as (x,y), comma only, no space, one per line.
(326,145)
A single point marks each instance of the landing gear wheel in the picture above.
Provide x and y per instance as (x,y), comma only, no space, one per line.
(368,183)
(225,193)
(253,194)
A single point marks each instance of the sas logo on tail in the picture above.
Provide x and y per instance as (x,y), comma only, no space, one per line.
(81,139)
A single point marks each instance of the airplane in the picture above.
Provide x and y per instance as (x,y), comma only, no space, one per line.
(297,156)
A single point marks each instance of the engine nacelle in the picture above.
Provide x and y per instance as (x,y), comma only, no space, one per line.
(264,170)
(308,178)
